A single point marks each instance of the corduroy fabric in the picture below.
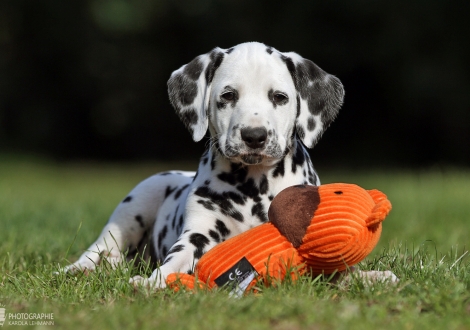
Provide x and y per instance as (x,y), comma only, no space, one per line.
(344,229)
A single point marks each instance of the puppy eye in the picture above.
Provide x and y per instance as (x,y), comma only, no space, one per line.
(279,98)
(228,96)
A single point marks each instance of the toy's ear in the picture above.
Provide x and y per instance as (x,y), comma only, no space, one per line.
(189,90)
(381,209)
(319,97)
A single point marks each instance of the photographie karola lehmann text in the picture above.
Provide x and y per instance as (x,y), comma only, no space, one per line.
(26,318)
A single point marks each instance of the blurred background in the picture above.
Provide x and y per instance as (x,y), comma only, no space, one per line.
(87,79)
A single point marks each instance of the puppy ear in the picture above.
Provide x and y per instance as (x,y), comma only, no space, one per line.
(189,89)
(319,97)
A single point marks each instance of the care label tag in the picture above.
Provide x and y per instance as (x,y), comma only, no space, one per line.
(238,277)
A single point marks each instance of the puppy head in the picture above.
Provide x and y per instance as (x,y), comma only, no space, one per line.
(255,100)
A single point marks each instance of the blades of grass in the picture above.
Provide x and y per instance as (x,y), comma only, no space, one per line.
(458,260)
(73,241)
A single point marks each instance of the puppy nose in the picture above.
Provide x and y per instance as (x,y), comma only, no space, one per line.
(254,137)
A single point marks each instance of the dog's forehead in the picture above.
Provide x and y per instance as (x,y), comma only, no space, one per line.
(252,62)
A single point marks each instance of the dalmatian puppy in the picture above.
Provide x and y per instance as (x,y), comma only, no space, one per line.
(262,108)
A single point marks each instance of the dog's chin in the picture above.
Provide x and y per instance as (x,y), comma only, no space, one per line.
(252,159)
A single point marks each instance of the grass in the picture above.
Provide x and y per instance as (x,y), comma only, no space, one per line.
(43,205)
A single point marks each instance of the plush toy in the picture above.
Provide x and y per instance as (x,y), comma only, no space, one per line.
(318,230)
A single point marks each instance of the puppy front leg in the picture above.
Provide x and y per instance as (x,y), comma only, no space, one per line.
(181,258)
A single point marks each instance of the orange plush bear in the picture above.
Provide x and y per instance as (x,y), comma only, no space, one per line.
(318,230)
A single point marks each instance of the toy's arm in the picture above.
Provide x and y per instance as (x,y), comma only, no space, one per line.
(177,280)
(381,209)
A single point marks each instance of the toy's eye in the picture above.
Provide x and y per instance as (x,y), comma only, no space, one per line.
(228,96)
(339,192)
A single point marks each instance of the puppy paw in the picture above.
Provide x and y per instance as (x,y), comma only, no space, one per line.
(149,283)
(84,266)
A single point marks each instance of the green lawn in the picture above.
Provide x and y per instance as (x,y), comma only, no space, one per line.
(43,206)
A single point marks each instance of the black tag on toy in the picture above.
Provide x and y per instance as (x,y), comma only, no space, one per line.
(238,277)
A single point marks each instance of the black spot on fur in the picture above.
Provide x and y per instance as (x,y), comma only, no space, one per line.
(161,237)
(179,192)
(181,221)
(263,185)
(176,248)
(298,158)
(311,176)
(164,250)
(216,60)
(214,235)
(326,93)
(167,259)
(291,67)
(173,223)
(279,170)
(229,50)
(207,182)
(311,70)
(199,241)
(193,69)
(169,190)
(221,105)
(258,211)
(207,204)
(227,177)
(222,228)
(249,188)
(237,174)
(165,173)
(271,197)
(236,198)
(298,106)
(269,50)
(311,124)
(224,204)
(213,161)
(182,90)
(189,117)
(316,107)
(300,132)
(127,199)
(140,220)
